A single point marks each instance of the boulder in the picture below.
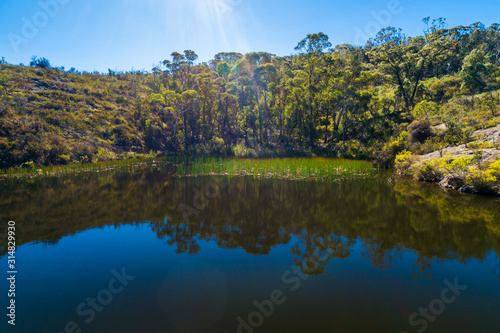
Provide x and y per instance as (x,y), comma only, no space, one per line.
(467,189)
(452,182)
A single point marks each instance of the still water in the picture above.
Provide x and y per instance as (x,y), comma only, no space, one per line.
(146,252)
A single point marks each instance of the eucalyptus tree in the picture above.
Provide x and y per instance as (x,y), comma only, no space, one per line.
(279,94)
(207,87)
(475,71)
(251,73)
(407,60)
(190,57)
(311,51)
(172,111)
(266,76)
(154,80)
(493,43)
(228,57)
(189,100)
(180,68)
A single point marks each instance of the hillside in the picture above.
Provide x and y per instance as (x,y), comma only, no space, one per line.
(369,102)
(54,117)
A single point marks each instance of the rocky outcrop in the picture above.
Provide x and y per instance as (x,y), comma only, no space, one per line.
(490,134)
(471,178)
(488,154)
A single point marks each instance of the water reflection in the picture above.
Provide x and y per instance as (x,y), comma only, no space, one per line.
(389,217)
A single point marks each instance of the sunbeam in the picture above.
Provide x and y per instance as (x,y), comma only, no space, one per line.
(202,21)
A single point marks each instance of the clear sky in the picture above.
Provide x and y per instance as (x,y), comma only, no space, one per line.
(125,34)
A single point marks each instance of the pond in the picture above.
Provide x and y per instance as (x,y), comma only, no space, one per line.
(148,252)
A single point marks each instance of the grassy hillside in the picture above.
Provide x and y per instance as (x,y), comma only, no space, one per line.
(54,117)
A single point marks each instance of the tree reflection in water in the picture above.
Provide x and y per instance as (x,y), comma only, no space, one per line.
(324,219)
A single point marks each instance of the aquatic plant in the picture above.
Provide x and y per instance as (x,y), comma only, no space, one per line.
(317,169)
(31,170)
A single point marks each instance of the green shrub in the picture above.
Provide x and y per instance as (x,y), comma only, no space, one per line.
(430,170)
(430,145)
(455,134)
(385,155)
(240,150)
(458,167)
(104,155)
(405,162)
(28,165)
(480,145)
(351,149)
(483,181)
(66,159)
(419,130)
(494,170)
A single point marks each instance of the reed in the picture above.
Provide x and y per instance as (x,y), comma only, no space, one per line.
(46,171)
(312,169)
(316,169)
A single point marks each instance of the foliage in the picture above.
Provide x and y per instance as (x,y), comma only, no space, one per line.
(404,163)
(419,131)
(458,167)
(484,178)
(494,169)
(430,170)
(483,181)
(39,62)
(426,109)
(480,145)
(455,134)
(241,150)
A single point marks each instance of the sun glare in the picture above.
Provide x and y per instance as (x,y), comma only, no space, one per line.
(212,20)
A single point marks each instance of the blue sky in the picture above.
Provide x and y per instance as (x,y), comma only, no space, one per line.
(125,34)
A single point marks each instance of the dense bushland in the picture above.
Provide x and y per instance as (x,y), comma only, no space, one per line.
(369,102)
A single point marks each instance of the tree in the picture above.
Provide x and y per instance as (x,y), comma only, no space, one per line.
(188,100)
(474,71)
(39,62)
(190,57)
(177,69)
(311,49)
(424,108)
(407,60)
(491,102)
(343,82)
(313,44)
(171,103)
